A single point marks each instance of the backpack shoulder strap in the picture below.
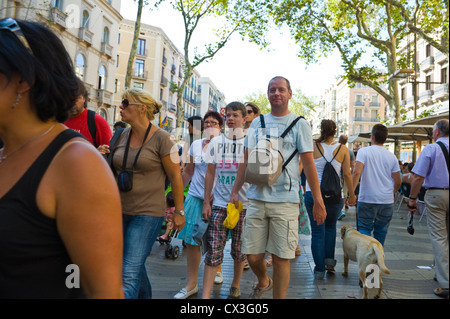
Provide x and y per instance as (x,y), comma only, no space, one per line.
(291,126)
(444,150)
(91,125)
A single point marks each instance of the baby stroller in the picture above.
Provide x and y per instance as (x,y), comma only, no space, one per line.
(172,251)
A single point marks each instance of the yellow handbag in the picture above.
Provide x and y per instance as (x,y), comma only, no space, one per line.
(232,215)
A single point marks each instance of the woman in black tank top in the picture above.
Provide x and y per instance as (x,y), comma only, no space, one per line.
(60,215)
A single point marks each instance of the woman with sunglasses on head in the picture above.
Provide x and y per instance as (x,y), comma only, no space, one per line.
(60,221)
(195,172)
(142,157)
(252,113)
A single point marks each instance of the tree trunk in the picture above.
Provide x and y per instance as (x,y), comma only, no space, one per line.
(137,28)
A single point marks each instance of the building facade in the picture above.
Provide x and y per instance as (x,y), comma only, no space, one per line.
(354,109)
(89,31)
(210,97)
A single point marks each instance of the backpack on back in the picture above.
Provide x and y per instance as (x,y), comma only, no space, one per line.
(266,162)
(330,185)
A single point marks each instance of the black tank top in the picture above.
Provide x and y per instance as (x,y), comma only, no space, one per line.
(33,258)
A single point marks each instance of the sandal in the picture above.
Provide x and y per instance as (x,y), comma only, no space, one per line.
(441,292)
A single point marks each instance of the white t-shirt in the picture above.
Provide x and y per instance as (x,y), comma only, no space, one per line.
(286,188)
(377,185)
(226,153)
(197,187)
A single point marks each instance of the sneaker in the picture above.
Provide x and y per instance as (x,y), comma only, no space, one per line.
(246,265)
(258,292)
(342,215)
(219,278)
(183,293)
(234,293)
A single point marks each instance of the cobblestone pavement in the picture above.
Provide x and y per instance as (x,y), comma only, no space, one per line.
(409,257)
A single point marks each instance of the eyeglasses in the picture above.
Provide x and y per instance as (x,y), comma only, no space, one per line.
(125,103)
(211,123)
(249,111)
(12,25)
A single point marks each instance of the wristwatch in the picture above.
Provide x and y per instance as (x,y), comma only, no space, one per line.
(181,212)
(413,198)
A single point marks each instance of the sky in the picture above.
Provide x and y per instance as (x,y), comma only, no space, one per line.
(241,68)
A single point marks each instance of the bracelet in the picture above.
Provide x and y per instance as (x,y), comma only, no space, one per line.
(413,198)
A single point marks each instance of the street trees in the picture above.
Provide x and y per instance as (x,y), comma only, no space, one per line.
(230,17)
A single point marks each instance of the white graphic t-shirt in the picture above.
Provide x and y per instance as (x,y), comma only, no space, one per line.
(226,153)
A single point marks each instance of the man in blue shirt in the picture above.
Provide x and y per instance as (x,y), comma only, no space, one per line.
(431,171)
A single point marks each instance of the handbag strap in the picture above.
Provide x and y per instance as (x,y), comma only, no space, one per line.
(444,150)
(125,156)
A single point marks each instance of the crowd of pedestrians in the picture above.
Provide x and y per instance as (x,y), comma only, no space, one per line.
(67,213)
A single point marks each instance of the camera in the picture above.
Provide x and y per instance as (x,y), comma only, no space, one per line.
(125,181)
(410,228)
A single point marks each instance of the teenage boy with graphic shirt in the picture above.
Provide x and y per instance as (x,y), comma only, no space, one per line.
(223,156)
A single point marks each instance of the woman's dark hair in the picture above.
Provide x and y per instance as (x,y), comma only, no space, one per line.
(170,201)
(82,91)
(196,118)
(327,129)
(49,71)
(410,166)
(254,107)
(214,114)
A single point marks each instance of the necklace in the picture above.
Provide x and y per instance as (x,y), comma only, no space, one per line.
(4,157)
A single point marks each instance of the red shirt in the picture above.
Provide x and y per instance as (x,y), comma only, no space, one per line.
(79,124)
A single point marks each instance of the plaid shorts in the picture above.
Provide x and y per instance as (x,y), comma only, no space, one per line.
(217,235)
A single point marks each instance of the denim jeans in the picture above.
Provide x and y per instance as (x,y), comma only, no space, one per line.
(376,218)
(140,233)
(323,237)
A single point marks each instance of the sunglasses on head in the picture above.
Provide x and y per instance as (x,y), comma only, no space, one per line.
(125,103)
(12,25)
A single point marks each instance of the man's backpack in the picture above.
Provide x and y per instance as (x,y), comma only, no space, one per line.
(266,162)
(330,186)
(92,127)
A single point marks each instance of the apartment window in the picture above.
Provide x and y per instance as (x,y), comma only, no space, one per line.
(428,82)
(57,4)
(403,94)
(138,85)
(444,75)
(358,114)
(117,61)
(101,78)
(374,115)
(427,50)
(140,47)
(106,35)
(85,22)
(80,66)
(139,68)
(359,98)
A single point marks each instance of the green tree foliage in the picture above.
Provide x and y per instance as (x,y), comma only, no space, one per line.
(230,16)
(300,103)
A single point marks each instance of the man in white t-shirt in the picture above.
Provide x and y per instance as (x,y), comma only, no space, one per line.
(380,180)
(271,221)
(223,156)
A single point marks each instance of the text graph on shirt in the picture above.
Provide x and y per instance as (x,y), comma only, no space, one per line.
(230,147)
(73,279)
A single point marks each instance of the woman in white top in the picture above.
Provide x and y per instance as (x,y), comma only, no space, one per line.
(323,237)
(195,172)
(408,175)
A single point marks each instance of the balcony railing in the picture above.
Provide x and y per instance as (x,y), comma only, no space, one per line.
(374,104)
(164,81)
(427,64)
(440,57)
(358,103)
(85,35)
(106,49)
(425,96)
(441,91)
(58,17)
(104,97)
(139,74)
